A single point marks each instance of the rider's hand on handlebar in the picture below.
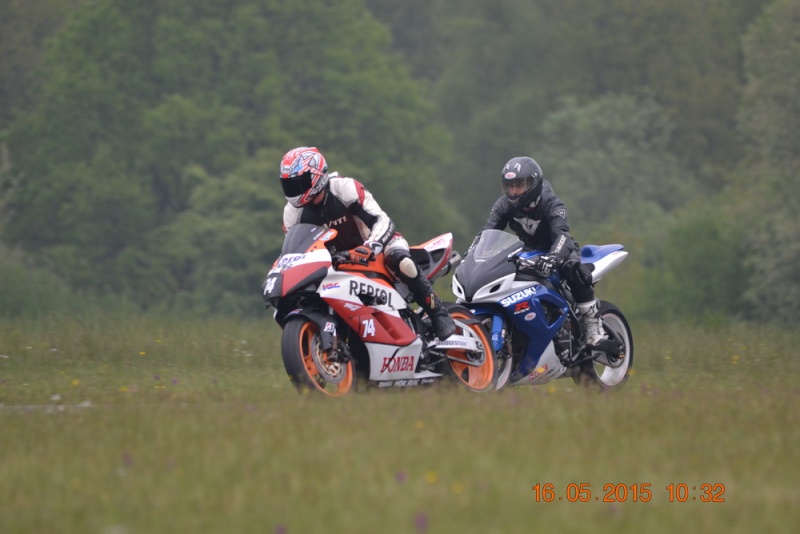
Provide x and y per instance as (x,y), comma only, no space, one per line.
(360,254)
(365,252)
(543,265)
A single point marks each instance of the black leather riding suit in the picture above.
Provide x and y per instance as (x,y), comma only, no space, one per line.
(545,227)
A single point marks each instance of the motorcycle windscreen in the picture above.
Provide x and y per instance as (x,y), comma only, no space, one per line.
(300,237)
(487,261)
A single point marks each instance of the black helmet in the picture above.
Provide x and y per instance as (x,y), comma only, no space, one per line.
(522,171)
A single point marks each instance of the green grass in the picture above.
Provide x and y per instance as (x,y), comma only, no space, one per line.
(140,424)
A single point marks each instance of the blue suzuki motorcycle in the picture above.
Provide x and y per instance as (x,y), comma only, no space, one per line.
(533,319)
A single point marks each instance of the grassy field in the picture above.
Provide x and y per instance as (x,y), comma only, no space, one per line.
(128,425)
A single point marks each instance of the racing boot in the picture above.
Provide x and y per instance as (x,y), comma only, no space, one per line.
(592,325)
(407,271)
(443,325)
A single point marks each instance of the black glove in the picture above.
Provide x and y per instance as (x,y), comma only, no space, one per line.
(544,264)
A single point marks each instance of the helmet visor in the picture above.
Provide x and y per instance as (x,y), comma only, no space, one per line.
(513,188)
(295,186)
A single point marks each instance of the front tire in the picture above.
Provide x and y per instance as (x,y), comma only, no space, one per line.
(308,366)
(478,378)
(610,371)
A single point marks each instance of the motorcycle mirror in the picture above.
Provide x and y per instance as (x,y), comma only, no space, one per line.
(514,253)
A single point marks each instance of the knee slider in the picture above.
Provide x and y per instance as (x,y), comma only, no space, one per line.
(408,267)
(400,263)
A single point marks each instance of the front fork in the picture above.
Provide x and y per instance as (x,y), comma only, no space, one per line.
(501,340)
(329,330)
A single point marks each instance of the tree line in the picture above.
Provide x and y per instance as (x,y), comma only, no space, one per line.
(141,140)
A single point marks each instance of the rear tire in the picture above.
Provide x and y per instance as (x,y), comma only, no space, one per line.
(478,378)
(308,365)
(593,373)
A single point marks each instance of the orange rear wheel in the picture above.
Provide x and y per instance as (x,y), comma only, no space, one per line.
(481,373)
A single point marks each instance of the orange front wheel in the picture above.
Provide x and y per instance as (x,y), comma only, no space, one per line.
(310,368)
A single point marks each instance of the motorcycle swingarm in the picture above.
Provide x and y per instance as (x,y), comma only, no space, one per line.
(608,346)
(461,344)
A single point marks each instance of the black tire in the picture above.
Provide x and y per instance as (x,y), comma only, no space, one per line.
(596,374)
(308,366)
(478,378)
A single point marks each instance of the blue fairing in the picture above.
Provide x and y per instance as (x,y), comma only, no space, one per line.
(529,316)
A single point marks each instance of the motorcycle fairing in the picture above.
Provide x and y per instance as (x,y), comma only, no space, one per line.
(533,368)
(388,362)
(547,368)
(293,271)
(379,322)
(528,314)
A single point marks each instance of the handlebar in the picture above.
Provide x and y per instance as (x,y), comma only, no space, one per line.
(536,266)
(338,258)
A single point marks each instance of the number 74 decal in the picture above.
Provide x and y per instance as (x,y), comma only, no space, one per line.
(270,285)
(369,327)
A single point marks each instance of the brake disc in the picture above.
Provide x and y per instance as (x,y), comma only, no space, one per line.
(331,371)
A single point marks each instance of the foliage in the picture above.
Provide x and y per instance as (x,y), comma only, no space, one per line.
(139,100)
(25,28)
(770,119)
(699,272)
(142,142)
(28,291)
(611,156)
(507,64)
(219,261)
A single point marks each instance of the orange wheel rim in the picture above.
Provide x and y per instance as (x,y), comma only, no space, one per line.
(476,377)
(311,344)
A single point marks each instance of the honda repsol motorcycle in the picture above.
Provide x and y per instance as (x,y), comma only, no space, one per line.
(347,323)
(533,319)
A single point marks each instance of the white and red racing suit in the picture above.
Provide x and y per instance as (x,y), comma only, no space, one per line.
(350,208)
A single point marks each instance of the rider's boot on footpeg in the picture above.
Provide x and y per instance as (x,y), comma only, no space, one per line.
(591,323)
(443,325)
